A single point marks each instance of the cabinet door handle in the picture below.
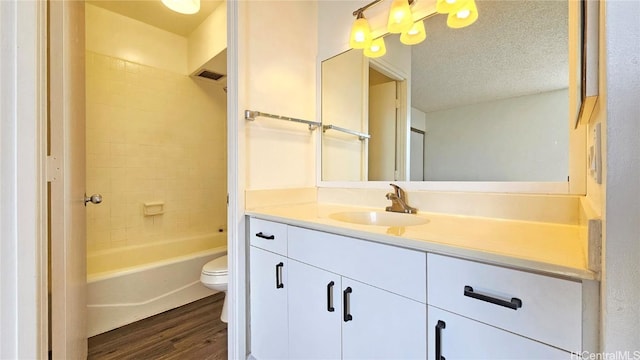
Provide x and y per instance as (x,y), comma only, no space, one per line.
(268,237)
(330,307)
(514,304)
(279,284)
(439,326)
(346,296)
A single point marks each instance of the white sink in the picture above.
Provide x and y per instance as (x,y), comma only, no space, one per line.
(380,218)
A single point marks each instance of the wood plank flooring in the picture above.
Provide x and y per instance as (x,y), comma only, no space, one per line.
(192,331)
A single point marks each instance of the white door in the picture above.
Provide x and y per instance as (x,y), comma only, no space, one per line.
(314,312)
(268,296)
(378,324)
(462,338)
(67,209)
(382,128)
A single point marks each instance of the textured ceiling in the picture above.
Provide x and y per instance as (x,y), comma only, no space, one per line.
(154,13)
(514,48)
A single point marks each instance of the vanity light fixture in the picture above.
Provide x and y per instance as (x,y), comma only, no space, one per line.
(461,13)
(400,17)
(415,35)
(183,6)
(447,6)
(376,49)
(463,16)
(360,33)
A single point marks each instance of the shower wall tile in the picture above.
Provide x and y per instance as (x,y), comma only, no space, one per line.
(152,135)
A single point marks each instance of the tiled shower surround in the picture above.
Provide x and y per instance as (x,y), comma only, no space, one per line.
(152,136)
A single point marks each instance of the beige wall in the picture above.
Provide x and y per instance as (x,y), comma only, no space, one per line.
(152,135)
(208,39)
(111,34)
(277,50)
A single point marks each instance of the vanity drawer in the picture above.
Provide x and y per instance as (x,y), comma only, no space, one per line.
(542,308)
(398,270)
(268,235)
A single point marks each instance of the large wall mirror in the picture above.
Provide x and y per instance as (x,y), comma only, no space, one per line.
(487,103)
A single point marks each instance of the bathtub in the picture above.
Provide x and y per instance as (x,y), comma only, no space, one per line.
(128,284)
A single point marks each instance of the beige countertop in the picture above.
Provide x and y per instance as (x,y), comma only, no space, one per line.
(535,246)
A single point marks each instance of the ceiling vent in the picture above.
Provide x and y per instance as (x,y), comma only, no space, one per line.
(210,75)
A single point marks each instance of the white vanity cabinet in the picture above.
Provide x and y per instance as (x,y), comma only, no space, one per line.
(268,276)
(318,295)
(315,309)
(333,317)
(345,299)
(490,312)
(454,337)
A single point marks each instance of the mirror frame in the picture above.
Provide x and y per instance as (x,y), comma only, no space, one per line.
(575,184)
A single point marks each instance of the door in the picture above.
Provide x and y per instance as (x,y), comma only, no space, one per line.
(67,153)
(456,337)
(378,324)
(315,311)
(268,294)
(382,128)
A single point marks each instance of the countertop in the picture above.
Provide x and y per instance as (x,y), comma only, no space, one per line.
(549,248)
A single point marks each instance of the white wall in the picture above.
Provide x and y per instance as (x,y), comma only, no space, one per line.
(621,268)
(278,62)
(488,141)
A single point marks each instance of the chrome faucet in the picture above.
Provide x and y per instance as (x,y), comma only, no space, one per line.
(399,201)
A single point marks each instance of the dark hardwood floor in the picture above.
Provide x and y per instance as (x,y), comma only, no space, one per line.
(192,331)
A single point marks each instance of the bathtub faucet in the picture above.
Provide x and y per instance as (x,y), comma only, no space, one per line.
(399,201)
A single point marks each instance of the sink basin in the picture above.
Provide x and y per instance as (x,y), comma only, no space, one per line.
(380,218)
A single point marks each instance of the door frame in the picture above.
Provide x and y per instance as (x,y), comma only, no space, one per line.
(237,339)
(23,132)
(23,231)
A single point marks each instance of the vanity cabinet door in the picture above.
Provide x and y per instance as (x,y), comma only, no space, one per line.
(377,324)
(315,310)
(268,299)
(454,337)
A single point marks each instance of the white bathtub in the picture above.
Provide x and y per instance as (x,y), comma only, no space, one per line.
(128,284)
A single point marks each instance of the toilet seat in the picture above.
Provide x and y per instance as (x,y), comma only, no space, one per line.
(215,271)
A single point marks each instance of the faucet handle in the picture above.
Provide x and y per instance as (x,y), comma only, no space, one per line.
(398,190)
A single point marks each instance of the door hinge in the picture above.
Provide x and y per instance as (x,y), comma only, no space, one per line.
(397,103)
(227,199)
(53,168)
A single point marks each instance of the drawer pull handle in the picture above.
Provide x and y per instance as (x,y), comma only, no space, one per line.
(330,307)
(439,326)
(268,237)
(279,284)
(514,304)
(347,307)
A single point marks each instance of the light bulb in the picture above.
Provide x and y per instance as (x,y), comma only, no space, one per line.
(449,6)
(400,17)
(376,49)
(415,35)
(183,6)
(463,16)
(360,33)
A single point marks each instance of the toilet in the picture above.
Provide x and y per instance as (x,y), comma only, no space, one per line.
(214,276)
